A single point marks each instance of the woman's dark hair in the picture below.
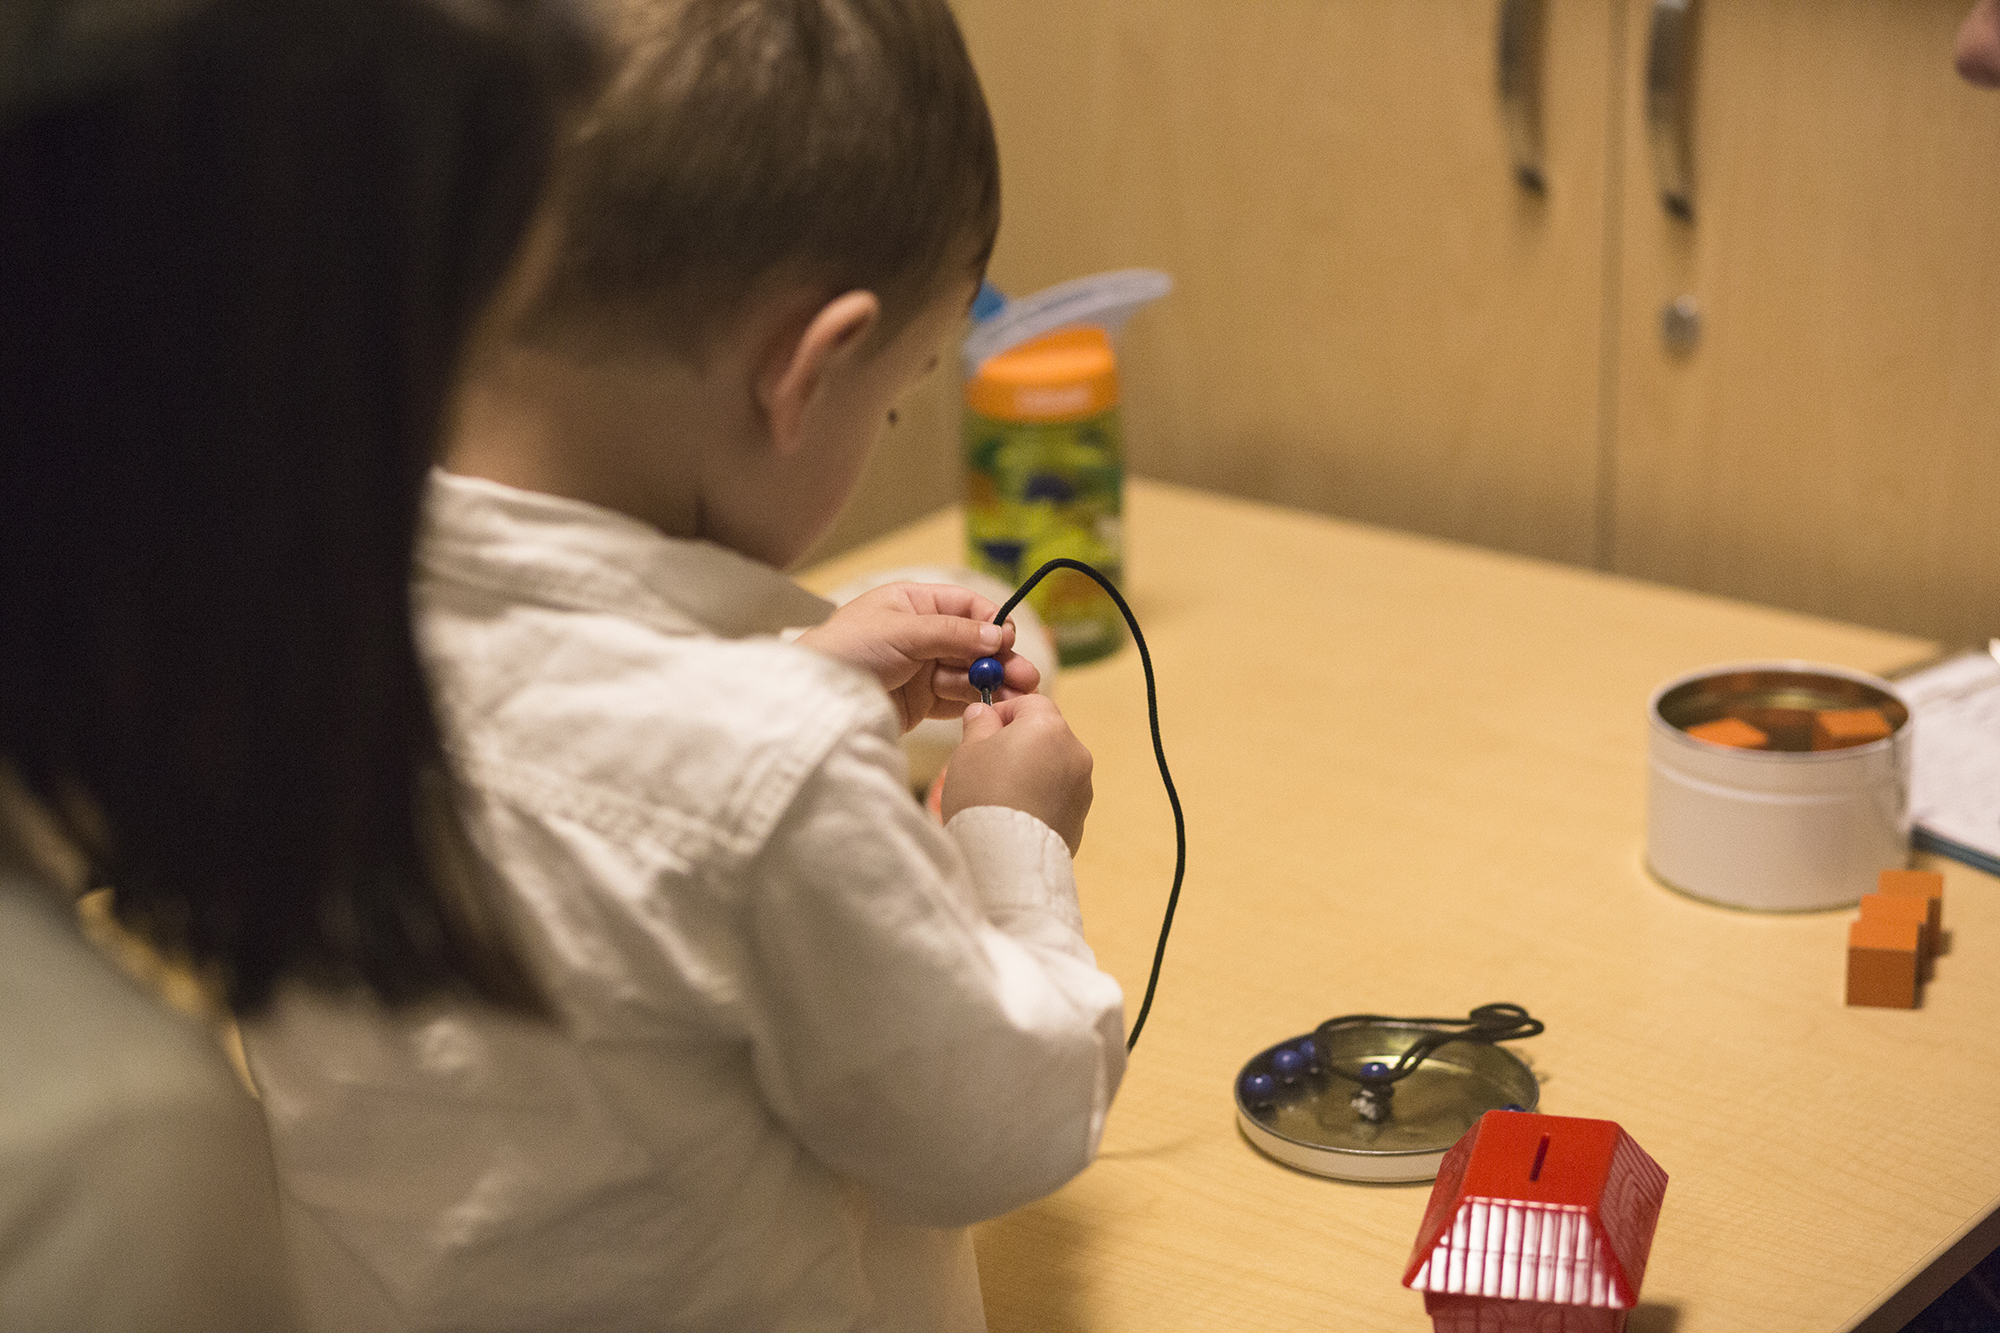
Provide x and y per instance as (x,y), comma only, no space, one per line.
(242,245)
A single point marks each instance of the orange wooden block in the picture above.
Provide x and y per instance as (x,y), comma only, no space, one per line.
(1897,907)
(1732,731)
(1927,885)
(1882,962)
(1838,728)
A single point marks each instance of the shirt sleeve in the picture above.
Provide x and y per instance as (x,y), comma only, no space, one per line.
(927,1017)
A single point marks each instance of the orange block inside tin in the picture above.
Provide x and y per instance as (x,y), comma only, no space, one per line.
(1838,728)
(1882,962)
(1731,731)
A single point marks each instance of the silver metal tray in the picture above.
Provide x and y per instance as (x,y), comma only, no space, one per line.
(1310,1125)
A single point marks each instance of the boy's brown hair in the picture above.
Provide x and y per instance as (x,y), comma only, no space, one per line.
(835,143)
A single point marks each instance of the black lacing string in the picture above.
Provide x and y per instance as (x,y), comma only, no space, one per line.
(1488,1023)
(1159,753)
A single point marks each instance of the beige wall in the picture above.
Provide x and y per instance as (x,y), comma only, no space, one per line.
(1374,319)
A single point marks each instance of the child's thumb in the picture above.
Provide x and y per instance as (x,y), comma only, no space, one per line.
(981,721)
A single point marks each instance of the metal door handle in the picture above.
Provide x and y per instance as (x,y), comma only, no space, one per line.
(1670,103)
(1519,62)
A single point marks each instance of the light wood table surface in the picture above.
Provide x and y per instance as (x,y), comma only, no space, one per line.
(1414,776)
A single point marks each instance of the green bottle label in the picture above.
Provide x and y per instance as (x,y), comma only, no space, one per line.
(1036,491)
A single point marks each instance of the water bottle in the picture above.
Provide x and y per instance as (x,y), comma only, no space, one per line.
(1044,447)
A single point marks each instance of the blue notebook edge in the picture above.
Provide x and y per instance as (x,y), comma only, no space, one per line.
(1923,840)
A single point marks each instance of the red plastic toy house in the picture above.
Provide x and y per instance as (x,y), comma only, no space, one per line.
(1537,1224)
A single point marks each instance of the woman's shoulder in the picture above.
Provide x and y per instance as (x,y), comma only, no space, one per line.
(132,1161)
(97,1047)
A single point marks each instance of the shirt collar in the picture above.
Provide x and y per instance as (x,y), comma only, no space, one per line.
(575,554)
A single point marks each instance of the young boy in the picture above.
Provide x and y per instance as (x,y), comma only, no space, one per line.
(801,1036)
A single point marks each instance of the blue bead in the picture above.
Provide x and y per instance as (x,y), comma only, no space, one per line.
(1260,1089)
(986,673)
(1287,1063)
(1309,1052)
(1374,1069)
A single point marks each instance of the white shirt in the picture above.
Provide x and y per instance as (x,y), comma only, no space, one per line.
(805,1035)
(135,1182)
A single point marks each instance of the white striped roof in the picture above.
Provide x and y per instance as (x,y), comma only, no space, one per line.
(1560,1253)
(1525,1252)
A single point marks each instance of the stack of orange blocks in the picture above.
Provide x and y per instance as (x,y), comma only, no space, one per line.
(1891,948)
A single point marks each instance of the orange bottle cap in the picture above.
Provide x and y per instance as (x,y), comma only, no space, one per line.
(1062,376)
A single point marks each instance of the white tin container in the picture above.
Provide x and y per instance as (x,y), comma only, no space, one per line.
(1784,829)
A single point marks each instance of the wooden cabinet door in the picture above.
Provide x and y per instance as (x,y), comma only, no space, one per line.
(1373,318)
(1831,442)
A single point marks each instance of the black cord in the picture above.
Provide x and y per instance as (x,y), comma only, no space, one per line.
(1488,1023)
(1159,753)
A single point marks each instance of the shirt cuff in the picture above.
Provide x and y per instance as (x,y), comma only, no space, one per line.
(1017,864)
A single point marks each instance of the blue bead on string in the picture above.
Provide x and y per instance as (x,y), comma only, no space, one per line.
(985,675)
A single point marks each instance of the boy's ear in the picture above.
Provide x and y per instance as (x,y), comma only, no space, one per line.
(791,377)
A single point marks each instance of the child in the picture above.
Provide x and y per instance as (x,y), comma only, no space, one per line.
(801,1036)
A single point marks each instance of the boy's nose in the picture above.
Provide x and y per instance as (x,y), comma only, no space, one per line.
(1978,54)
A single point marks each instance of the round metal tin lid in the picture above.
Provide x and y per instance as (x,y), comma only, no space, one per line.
(1779,697)
(1310,1124)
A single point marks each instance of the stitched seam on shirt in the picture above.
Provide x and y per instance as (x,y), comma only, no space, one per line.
(574,591)
(759,800)
(542,792)
(751,810)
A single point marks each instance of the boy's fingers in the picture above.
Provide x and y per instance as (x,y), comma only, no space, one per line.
(951,638)
(1006,712)
(951,600)
(1022,707)
(952,691)
(982,721)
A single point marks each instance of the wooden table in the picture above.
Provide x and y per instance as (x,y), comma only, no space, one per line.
(1414,776)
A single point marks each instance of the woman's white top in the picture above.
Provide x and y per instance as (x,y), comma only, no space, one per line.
(805,1036)
(136,1193)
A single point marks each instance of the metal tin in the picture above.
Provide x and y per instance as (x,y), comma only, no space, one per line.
(1310,1124)
(1778,830)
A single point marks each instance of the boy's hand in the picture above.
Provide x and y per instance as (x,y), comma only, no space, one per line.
(918,639)
(1020,753)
